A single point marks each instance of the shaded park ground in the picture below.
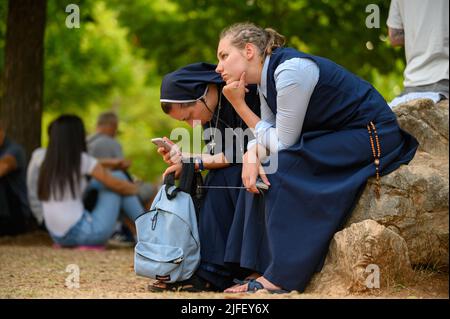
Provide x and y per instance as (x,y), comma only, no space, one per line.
(31,268)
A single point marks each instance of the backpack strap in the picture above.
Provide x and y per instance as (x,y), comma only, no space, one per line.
(170,188)
(189,180)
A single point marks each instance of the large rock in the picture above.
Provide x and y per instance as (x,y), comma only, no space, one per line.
(414,200)
(408,224)
(362,257)
(414,204)
(428,122)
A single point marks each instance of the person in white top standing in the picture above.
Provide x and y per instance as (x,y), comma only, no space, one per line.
(63,180)
(421,26)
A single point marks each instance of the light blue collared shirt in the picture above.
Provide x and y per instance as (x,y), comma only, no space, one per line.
(295,80)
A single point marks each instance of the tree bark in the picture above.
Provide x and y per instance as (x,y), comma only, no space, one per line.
(23,78)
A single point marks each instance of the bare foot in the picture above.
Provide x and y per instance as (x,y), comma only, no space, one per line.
(263,281)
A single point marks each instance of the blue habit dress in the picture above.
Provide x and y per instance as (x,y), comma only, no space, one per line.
(319,179)
(219,204)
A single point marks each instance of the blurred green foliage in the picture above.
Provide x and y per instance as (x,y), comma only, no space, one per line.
(116,59)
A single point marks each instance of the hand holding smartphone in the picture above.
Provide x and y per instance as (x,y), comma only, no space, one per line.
(160,142)
(171,152)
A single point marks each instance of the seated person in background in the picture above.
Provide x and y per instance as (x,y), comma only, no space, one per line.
(104,146)
(34,166)
(421,26)
(62,182)
(15,215)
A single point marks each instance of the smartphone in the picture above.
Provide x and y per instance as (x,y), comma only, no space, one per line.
(162,143)
(261,185)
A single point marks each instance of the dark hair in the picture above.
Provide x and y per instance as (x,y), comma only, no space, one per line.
(61,165)
(167,106)
(266,40)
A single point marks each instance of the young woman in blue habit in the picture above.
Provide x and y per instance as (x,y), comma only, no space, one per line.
(328,131)
(194,93)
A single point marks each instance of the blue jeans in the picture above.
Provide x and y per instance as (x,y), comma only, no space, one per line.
(96,227)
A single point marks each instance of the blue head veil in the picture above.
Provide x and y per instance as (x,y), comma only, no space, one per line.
(189,83)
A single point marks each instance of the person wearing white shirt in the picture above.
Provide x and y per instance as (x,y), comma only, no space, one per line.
(421,26)
(63,180)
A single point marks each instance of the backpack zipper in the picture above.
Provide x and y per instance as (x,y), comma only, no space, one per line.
(155,220)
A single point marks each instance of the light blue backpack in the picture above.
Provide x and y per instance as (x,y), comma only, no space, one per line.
(168,245)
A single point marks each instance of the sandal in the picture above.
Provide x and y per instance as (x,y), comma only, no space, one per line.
(240,282)
(194,284)
(253,286)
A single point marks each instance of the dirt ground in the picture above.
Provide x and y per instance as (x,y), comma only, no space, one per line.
(31,268)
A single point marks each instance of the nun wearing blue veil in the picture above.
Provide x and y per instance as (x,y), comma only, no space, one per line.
(194,93)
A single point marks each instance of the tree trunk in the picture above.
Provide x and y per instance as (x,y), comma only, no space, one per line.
(23,78)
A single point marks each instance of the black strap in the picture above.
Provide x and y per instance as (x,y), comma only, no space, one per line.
(171,189)
(189,182)
(187,177)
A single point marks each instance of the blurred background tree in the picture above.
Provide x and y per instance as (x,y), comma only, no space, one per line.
(22,82)
(116,59)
